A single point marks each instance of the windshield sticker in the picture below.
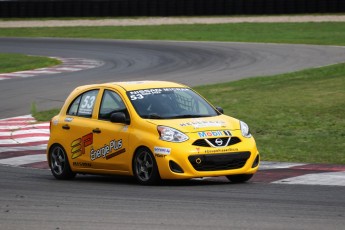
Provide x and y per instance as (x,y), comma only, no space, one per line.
(203,124)
(140,94)
(162,150)
(87,105)
(214,133)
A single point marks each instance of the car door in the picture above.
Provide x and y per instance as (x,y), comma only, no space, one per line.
(110,141)
(77,128)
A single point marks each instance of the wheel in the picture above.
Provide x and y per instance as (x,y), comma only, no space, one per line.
(145,167)
(59,165)
(239,178)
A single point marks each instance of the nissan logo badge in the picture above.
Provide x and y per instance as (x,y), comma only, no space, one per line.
(218,141)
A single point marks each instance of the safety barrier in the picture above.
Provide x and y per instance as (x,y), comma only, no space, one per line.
(120,8)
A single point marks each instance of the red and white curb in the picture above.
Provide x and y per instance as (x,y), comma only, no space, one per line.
(303,174)
(23,143)
(68,65)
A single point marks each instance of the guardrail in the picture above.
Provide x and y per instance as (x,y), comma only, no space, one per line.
(119,8)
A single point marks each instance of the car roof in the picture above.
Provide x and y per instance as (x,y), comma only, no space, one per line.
(137,85)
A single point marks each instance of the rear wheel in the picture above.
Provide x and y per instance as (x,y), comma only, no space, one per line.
(241,178)
(145,167)
(59,165)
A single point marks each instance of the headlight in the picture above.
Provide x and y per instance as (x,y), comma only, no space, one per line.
(170,134)
(245,129)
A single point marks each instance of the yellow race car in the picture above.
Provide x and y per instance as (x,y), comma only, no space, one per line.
(151,130)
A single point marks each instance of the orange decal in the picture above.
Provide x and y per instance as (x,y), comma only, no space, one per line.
(78,145)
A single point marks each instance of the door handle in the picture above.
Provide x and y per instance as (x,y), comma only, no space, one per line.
(66,127)
(96,130)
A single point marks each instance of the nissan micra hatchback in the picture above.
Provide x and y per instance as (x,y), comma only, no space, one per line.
(151,130)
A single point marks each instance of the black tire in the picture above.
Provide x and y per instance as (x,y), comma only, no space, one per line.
(241,178)
(145,167)
(58,163)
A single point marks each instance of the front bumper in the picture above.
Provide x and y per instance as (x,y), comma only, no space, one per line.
(201,164)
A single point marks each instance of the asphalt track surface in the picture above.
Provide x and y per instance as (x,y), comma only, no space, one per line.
(32,199)
(193,63)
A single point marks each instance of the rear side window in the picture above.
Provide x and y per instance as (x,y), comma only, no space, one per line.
(83,105)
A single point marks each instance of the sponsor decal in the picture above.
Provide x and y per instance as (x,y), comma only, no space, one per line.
(115,154)
(106,150)
(82,164)
(55,122)
(162,150)
(210,134)
(160,155)
(214,133)
(197,123)
(78,146)
(140,94)
(227,133)
(69,119)
(221,150)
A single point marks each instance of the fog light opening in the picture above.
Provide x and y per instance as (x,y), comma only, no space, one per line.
(256,161)
(175,167)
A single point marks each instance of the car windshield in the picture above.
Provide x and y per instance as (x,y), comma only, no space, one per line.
(170,103)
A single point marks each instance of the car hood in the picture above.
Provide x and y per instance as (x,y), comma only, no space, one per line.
(191,125)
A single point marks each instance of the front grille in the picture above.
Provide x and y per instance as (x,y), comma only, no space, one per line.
(205,142)
(214,162)
(201,142)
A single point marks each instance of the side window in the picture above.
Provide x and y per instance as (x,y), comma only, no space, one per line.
(83,105)
(111,102)
(73,108)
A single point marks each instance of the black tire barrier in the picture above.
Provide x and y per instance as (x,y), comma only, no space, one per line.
(121,8)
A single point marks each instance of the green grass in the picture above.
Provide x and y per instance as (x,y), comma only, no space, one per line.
(296,117)
(19,62)
(326,33)
(46,115)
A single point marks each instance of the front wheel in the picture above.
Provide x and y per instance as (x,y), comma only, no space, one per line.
(145,167)
(59,165)
(241,178)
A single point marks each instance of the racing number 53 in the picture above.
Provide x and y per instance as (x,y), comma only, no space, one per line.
(88,102)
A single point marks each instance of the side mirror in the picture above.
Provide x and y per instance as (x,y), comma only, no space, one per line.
(118,117)
(220,109)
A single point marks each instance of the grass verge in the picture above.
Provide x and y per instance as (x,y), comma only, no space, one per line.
(20,62)
(296,117)
(325,33)
(46,115)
